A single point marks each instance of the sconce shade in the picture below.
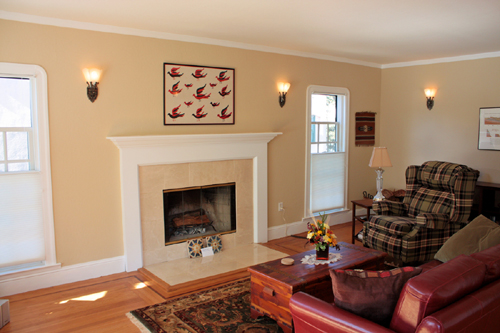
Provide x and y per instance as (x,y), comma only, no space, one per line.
(283,89)
(380,158)
(92,75)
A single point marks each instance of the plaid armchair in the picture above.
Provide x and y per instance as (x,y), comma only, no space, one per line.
(437,204)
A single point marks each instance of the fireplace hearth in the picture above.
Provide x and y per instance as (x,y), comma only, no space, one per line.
(199,211)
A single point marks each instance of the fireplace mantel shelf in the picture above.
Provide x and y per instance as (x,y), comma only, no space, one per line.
(159,140)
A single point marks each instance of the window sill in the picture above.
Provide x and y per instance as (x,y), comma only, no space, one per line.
(28,272)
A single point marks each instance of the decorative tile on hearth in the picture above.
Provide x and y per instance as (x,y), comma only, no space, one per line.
(215,242)
(194,247)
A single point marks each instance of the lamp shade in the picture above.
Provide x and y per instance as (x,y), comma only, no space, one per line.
(380,158)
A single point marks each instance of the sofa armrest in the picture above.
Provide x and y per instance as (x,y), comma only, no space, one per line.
(392,208)
(433,220)
(311,314)
(476,312)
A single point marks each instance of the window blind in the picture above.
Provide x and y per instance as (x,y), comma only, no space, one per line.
(327,181)
(21,219)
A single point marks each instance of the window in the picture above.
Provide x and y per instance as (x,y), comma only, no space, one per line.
(327,141)
(26,222)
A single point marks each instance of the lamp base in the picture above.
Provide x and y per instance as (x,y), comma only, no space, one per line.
(379,196)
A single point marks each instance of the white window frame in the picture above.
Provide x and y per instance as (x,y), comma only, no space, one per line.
(40,118)
(343,119)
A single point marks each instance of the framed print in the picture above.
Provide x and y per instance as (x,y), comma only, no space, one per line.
(489,128)
(198,95)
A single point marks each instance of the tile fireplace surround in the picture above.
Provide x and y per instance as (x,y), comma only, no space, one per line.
(146,164)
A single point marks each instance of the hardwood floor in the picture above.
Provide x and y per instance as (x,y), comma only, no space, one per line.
(100,305)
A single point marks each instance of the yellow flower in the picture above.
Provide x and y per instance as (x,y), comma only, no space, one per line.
(320,232)
(327,226)
(310,234)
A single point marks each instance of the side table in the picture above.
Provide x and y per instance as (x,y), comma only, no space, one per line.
(365,203)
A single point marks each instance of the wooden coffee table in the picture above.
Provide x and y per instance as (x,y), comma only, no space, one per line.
(273,284)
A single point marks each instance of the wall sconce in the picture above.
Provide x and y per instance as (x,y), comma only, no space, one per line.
(283,89)
(430,93)
(92,77)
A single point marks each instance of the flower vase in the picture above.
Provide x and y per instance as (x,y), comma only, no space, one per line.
(322,254)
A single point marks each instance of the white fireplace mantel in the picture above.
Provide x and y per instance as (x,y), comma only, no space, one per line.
(138,151)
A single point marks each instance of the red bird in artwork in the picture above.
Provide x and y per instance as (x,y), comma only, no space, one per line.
(213,85)
(189,103)
(188,85)
(214,104)
(199,113)
(223,114)
(222,76)
(175,113)
(224,92)
(200,95)
(175,89)
(198,73)
(173,72)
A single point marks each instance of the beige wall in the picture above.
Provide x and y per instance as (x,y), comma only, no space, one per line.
(449,132)
(85,165)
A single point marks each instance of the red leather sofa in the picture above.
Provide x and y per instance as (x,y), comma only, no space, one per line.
(461,295)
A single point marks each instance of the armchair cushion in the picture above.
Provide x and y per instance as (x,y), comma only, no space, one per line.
(370,294)
(430,201)
(433,220)
(394,225)
(480,234)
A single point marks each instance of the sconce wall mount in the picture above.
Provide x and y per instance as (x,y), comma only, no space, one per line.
(430,93)
(92,77)
(283,89)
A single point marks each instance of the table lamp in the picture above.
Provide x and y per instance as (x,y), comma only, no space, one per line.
(380,158)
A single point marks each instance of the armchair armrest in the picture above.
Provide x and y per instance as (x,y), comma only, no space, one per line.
(433,220)
(311,314)
(392,208)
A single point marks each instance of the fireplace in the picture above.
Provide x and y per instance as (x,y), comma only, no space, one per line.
(199,211)
(154,159)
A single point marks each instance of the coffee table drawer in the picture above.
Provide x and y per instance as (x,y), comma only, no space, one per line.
(271,300)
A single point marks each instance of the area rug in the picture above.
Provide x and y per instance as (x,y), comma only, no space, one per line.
(222,309)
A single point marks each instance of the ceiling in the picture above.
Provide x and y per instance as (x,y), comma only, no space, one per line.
(371,32)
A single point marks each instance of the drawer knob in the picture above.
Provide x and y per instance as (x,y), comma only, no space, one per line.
(268,291)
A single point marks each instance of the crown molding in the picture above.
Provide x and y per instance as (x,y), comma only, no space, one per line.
(169,36)
(218,42)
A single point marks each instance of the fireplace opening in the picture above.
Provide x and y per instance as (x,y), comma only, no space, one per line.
(199,211)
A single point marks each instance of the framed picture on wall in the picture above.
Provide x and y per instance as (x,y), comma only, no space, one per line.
(489,128)
(198,95)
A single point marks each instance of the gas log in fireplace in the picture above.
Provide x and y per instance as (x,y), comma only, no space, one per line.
(199,211)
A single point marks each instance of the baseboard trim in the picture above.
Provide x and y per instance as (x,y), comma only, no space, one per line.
(301,226)
(66,274)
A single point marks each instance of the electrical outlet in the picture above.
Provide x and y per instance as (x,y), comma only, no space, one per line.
(280,207)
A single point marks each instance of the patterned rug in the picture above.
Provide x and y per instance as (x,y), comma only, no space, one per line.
(222,309)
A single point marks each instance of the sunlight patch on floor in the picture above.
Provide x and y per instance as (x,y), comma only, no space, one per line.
(190,269)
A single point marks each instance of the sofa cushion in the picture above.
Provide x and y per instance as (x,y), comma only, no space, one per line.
(480,234)
(491,257)
(435,289)
(370,294)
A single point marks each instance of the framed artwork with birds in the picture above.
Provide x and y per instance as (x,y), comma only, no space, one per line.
(198,95)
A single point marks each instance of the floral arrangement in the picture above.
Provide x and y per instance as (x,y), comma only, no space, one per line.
(321,235)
